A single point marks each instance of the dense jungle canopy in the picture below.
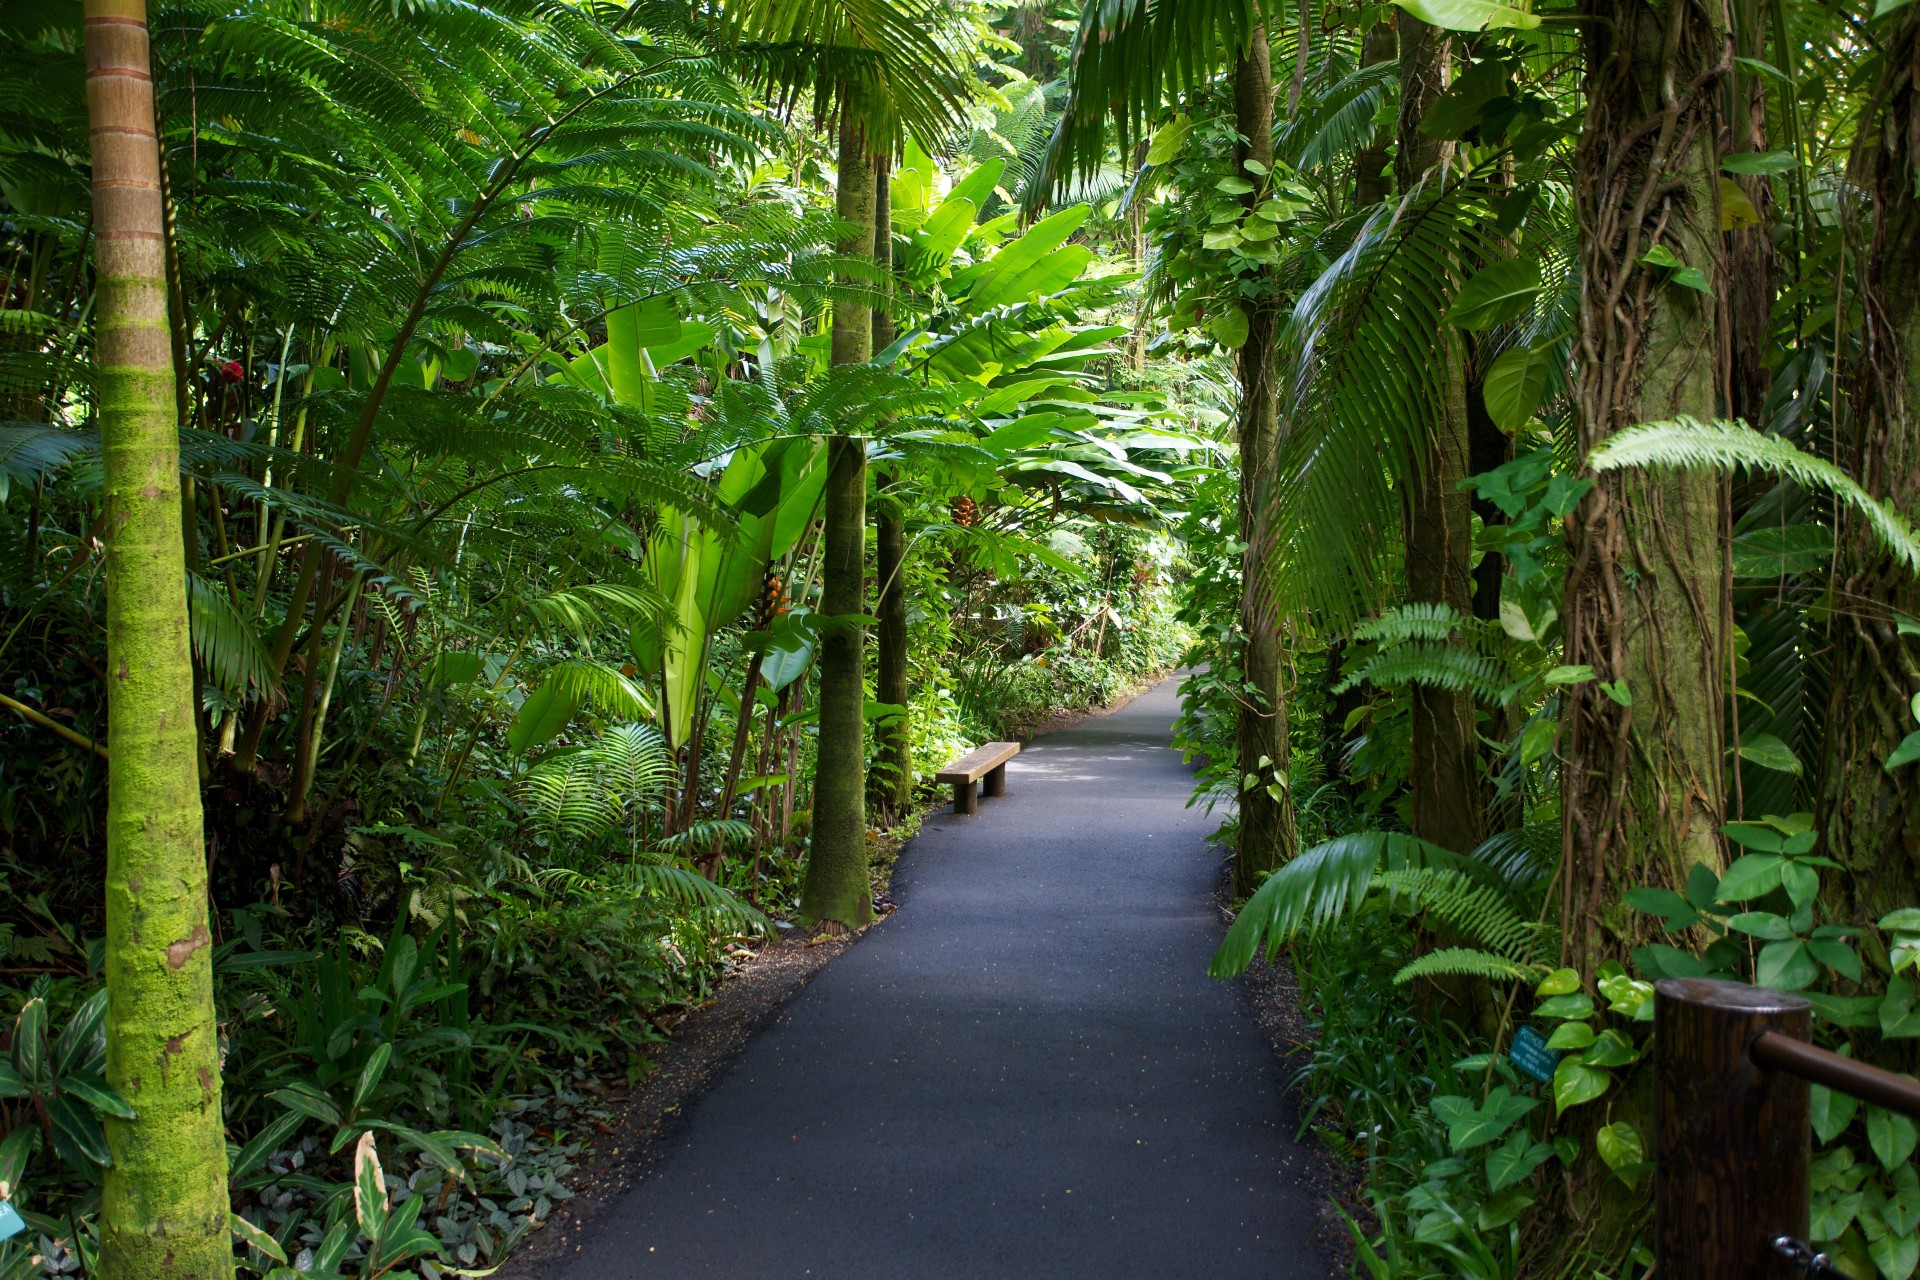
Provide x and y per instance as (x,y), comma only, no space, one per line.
(506,505)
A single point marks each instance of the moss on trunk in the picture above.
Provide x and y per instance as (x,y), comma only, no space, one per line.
(837,886)
(163,1205)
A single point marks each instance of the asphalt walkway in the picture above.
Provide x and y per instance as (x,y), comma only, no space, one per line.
(1024,1071)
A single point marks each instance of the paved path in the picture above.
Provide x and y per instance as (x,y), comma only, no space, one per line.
(1024,1071)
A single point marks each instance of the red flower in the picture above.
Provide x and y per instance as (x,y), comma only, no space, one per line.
(232,371)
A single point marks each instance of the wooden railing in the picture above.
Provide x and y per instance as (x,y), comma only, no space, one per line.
(1733,1134)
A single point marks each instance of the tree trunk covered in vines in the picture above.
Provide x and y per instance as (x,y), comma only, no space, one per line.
(1267,837)
(1642,744)
(1872,819)
(1447,802)
(893,789)
(163,1205)
(837,887)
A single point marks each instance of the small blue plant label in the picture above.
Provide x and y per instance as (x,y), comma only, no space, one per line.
(1531,1055)
(10,1220)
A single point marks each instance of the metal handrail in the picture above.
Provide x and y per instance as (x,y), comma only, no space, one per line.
(1821,1066)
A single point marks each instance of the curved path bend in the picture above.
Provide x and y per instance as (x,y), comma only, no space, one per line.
(1024,1071)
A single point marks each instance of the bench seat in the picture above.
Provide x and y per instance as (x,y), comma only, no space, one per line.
(988,762)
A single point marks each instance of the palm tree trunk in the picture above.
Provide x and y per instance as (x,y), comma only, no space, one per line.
(1642,791)
(1872,815)
(163,1206)
(1267,837)
(837,887)
(894,790)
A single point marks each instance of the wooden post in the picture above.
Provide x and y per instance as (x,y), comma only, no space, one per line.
(966,797)
(996,783)
(1733,1139)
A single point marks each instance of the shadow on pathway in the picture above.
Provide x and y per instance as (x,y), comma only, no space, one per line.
(1024,1071)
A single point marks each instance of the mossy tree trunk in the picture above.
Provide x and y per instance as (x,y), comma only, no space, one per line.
(893,790)
(1642,745)
(1872,816)
(163,1205)
(1448,804)
(838,888)
(1267,837)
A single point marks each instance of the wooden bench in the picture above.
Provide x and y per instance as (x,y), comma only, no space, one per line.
(990,762)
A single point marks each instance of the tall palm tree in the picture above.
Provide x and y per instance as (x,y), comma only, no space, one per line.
(883,70)
(163,1207)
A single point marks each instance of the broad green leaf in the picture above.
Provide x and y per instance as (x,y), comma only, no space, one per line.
(1515,1159)
(247,1233)
(1168,139)
(1759,162)
(1894,1254)
(1769,752)
(308,1101)
(371,1073)
(72,1118)
(1469,15)
(1901,1212)
(1570,1035)
(97,1095)
(1561,982)
(1612,1049)
(1620,1144)
(1905,754)
(1229,327)
(263,1144)
(1568,1006)
(540,718)
(1469,1126)
(1496,295)
(1515,383)
(30,1043)
(1832,1111)
(1785,966)
(1751,876)
(370,1200)
(1762,924)
(1891,1136)
(1575,1083)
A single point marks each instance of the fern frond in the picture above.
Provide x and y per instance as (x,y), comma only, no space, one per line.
(1723,445)
(1423,620)
(691,890)
(1480,912)
(1464,962)
(1434,664)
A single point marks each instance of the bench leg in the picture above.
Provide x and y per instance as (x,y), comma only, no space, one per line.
(966,797)
(996,781)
